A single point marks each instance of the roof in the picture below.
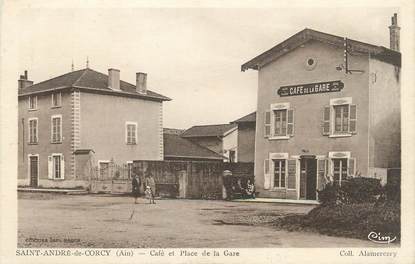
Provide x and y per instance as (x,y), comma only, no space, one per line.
(378,52)
(208,130)
(250,118)
(89,80)
(83,151)
(178,147)
(173,131)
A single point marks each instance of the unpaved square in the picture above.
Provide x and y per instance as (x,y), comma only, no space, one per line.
(59,220)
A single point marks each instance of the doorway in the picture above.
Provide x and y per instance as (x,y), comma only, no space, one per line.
(34,170)
(308,177)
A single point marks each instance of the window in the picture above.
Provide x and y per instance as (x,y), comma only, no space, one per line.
(56,166)
(33,130)
(339,170)
(340,118)
(279,173)
(32,102)
(56,129)
(280,123)
(56,99)
(131,133)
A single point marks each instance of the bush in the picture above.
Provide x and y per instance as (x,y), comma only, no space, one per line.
(352,190)
(361,189)
(392,192)
(349,220)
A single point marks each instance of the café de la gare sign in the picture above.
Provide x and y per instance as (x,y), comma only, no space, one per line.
(310,88)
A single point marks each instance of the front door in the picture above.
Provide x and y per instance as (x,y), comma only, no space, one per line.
(33,170)
(308,177)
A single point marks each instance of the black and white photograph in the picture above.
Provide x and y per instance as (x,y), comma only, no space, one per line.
(206,132)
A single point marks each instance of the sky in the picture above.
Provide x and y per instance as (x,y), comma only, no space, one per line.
(192,55)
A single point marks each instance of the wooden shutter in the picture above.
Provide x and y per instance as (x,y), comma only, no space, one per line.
(267,124)
(267,174)
(326,121)
(321,173)
(62,167)
(352,167)
(50,167)
(352,119)
(292,173)
(290,122)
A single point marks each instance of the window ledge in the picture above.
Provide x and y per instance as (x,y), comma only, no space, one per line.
(57,142)
(33,109)
(57,179)
(32,143)
(132,144)
(340,135)
(278,137)
(56,106)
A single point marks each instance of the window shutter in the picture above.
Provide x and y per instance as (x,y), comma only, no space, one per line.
(321,173)
(326,121)
(267,124)
(290,122)
(267,175)
(352,167)
(353,119)
(292,173)
(62,167)
(50,167)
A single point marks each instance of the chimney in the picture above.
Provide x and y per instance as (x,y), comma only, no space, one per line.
(394,33)
(141,82)
(114,79)
(23,81)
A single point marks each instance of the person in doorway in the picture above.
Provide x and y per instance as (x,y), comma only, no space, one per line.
(151,187)
(136,187)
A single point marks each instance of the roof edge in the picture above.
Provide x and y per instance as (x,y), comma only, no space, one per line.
(99,91)
(306,35)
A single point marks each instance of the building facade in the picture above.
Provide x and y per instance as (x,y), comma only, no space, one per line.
(246,137)
(328,108)
(85,118)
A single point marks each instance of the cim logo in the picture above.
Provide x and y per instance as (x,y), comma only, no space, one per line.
(380,239)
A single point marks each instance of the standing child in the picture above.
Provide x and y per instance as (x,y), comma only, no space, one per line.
(149,195)
(151,187)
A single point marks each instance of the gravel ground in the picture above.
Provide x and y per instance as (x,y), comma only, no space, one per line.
(58,220)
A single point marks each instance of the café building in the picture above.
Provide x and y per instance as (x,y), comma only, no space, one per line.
(328,108)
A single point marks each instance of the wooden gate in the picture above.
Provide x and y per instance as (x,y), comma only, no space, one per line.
(111,178)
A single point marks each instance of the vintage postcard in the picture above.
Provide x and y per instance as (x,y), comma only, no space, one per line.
(207,132)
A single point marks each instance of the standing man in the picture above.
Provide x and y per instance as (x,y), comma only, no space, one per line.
(136,187)
(151,185)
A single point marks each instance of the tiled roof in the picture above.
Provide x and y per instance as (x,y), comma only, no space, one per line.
(178,147)
(247,119)
(173,131)
(89,80)
(379,52)
(208,130)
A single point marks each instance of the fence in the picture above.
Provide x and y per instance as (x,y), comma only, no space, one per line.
(109,177)
(190,179)
(175,179)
